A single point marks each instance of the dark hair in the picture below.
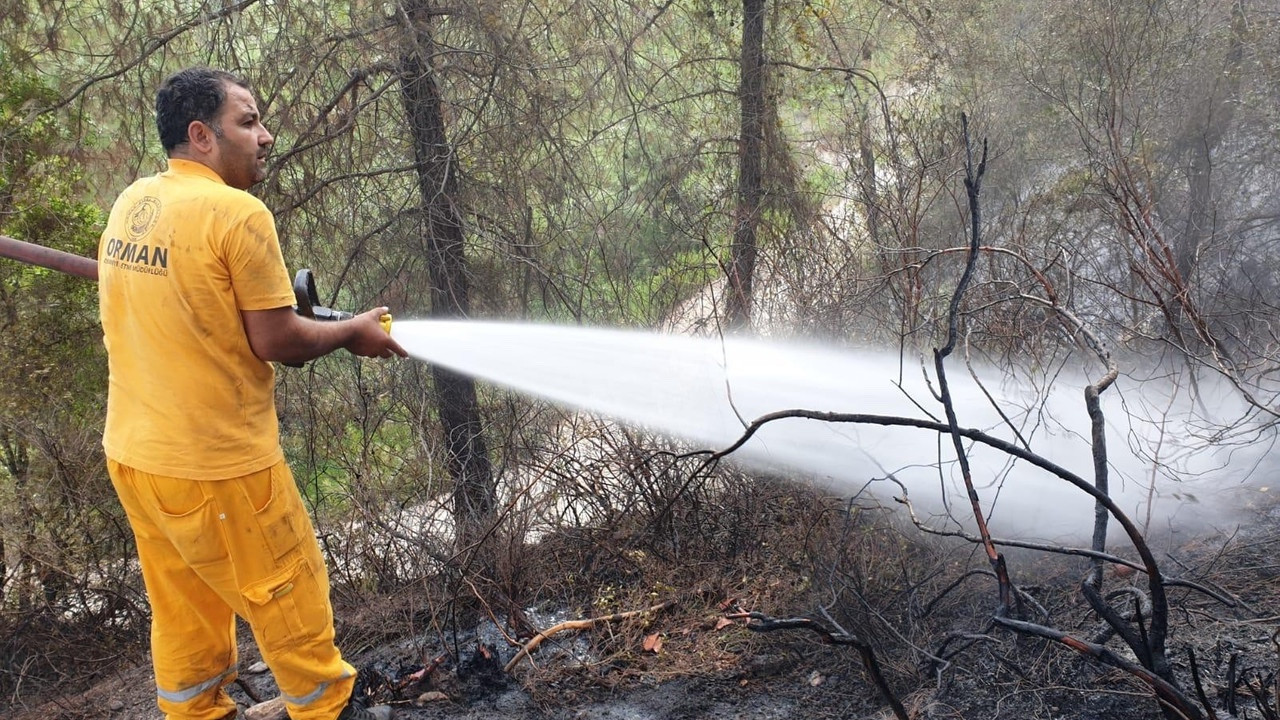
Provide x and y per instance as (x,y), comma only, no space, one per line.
(196,93)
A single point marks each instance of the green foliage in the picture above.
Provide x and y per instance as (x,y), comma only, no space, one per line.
(52,366)
(48,345)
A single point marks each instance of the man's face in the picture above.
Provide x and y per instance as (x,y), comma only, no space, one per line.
(240,157)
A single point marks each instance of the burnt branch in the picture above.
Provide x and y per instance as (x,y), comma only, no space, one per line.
(1149,564)
(1170,697)
(759,622)
(973,187)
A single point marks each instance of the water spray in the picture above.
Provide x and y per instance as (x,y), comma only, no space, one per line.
(706,391)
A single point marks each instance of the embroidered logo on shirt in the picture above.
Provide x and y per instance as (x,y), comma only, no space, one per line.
(143,217)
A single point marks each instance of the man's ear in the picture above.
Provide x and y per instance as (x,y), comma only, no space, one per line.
(201,137)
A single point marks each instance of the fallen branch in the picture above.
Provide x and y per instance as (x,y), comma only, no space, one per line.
(1168,695)
(759,622)
(533,644)
(273,709)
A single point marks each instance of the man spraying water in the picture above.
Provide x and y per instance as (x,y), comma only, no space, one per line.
(196,304)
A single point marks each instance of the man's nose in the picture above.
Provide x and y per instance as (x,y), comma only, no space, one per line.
(266,139)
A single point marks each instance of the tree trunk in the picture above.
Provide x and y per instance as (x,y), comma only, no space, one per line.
(474,493)
(1200,141)
(742,261)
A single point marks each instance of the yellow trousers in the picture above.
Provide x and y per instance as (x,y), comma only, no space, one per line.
(211,550)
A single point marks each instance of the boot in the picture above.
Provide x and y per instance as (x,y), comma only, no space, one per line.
(355,710)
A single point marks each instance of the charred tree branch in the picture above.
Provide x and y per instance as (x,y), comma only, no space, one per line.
(1167,694)
(759,622)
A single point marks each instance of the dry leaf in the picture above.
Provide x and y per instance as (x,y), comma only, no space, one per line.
(653,643)
(723,623)
(430,697)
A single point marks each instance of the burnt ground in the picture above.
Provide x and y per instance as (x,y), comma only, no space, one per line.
(707,668)
(766,689)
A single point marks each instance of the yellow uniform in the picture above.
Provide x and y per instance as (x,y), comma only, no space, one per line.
(193,447)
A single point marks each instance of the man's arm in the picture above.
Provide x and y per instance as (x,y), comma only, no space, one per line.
(281,335)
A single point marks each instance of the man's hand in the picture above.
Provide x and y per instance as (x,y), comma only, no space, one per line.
(369,338)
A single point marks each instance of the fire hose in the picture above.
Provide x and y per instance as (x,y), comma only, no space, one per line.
(304,283)
(45,257)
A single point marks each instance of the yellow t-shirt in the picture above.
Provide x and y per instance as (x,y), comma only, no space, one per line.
(181,256)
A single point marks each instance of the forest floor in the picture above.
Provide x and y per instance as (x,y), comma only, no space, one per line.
(710,669)
(767,688)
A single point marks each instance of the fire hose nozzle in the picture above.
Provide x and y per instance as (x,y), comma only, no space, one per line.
(304,292)
(308,304)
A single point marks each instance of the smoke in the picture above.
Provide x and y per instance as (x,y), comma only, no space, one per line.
(1162,470)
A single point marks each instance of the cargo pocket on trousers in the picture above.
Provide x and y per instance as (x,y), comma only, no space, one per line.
(196,534)
(287,607)
(276,517)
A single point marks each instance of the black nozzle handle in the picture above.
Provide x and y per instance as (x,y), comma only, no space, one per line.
(304,292)
(308,302)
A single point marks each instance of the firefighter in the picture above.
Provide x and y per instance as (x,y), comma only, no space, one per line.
(196,304)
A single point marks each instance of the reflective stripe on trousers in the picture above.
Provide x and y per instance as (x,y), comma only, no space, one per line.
(211,550)
(188,694)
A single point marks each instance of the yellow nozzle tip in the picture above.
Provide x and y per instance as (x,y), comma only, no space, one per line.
(385,322)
